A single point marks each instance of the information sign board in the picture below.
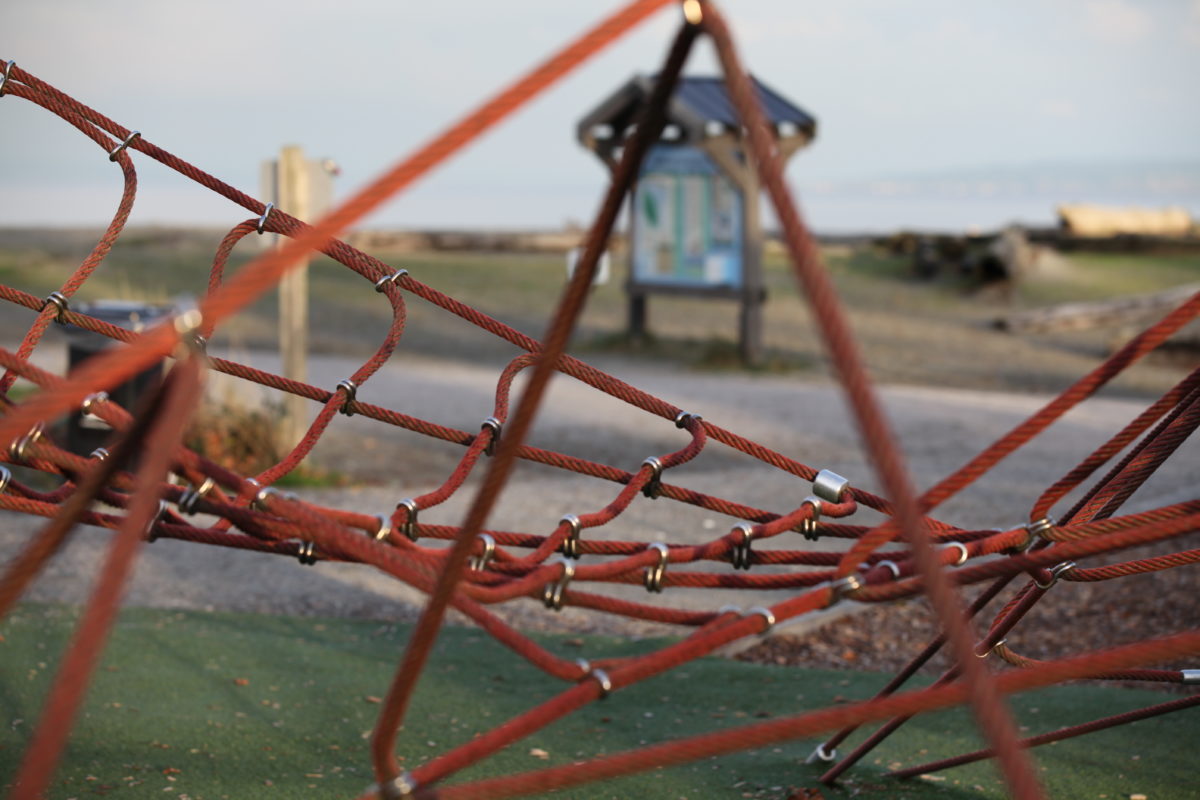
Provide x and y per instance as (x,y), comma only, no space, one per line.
(687,221)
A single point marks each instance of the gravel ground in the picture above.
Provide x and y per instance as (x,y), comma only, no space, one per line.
(940,429)
(1073,618)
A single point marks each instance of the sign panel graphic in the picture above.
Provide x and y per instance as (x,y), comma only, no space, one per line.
(687,221)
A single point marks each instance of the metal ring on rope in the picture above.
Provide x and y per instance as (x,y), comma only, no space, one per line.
(654,575)
(59,300)
(570,545)
(384,530)
(351,389)
(1038,529)
(188,322)
(991,649)
(410,519)
(552,594)
(262,221)
(91,400)
(1056,572)
(605,682)
(19,447)
(653,487)
(683,417)
(892,566)
(386,279)
(191,495)
(8,67)
(480,562)
(495,426)
(820,754)
(116,151)
(307,553)
(399,787)
(809,527)
(151,536)
(742,556)
(259,502)
(844,586)
(963,553)
(766,614)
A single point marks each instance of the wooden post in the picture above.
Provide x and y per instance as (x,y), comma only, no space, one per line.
(727,152)
(295,194)
(750,322)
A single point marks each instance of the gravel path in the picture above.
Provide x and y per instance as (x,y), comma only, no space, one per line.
(939,429)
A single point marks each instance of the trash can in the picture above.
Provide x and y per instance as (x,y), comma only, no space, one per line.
(86,432)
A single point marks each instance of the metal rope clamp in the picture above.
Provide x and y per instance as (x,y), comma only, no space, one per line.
(766,614)
(59,301)
(742,557)
(382,283)
(259,502)
(653,487)
(605,682)
(570,545)
(399,787)
(262,221)
(151,536)
(844,586)
(1038,529)
(91,400)
(409,528)
(552,595)
(18,448)
(891,566)
(683,417)
(100,453)
(307,553)
(991,649)
(351,389)
(828,485)
(188,322)
(480,562)
(1056,572)
(116,151)
(8,67)
(384,530)
(191,495)
(809,527)
(654,575)
(495,426)
(820,754)
(600,676)
(963,553)
(5,478)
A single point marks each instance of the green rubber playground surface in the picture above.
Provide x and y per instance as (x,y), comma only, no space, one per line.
(201,706)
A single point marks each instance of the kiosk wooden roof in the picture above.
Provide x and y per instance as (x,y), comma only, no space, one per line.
(699,112)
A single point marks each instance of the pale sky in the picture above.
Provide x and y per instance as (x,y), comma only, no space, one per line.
(902,89)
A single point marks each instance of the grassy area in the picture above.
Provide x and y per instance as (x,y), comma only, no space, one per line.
(206,706)
(1100,276)
(911,331)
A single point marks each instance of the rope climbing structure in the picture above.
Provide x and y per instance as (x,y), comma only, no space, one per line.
(472,568)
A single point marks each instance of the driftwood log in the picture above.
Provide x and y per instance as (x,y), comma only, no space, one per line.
(1083,316)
